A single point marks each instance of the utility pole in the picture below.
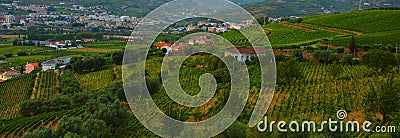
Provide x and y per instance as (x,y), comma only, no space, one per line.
(359,5)
(264,20)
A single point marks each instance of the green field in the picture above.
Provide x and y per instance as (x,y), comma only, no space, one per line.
(110,44)
(18,49)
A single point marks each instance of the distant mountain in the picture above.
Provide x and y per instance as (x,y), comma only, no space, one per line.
(270,8)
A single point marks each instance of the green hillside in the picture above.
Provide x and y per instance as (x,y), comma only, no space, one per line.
(367,21)
(370,28)
(281,35)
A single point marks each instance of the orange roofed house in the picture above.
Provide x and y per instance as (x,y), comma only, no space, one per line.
(163,44)
(30,67)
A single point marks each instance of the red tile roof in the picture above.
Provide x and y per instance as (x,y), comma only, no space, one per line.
(247,50)
(35,64)
(162,44)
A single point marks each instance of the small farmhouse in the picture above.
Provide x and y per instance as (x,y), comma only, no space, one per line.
(29,67)
(9,75)
(242,54)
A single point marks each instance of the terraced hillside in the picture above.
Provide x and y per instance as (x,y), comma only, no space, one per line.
(367,21)
(378,27)
(369,28)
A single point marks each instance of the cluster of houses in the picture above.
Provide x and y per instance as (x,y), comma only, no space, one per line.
(178,47)
(212,27)
(56,63)
(91,17)
(58,45)
(239,53)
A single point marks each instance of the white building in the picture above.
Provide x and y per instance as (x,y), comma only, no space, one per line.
(9,18)
(49,64)
(242,54)
(62,60)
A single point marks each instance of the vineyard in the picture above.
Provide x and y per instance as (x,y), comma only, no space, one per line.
(18,127)
(114,44)
(94,80)
(281,35)
(14,92)
(366,21)
(47,84)
(284,35)
(389,38)
(317,96)
(236,38)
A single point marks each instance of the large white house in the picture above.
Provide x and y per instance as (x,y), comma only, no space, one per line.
(242,54)
(52,64)
(49,64)
(62,60)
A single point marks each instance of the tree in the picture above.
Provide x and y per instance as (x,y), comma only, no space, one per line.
(298,54)
(117,57)
(353,46)
(347,59)
(31,107)
(43,132)
(222,75)
(325,56)
(153,85)
(79,127)
(380,60)
(117,89)
(236,130)
(384,100)
(335,70)
(22,69)
(262,20)
(69,84)
(288,70)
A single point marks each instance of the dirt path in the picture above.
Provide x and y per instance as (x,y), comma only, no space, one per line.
(34,86)
(57,73)
(298,27)
(329,29)
(313,28)
(116,76)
